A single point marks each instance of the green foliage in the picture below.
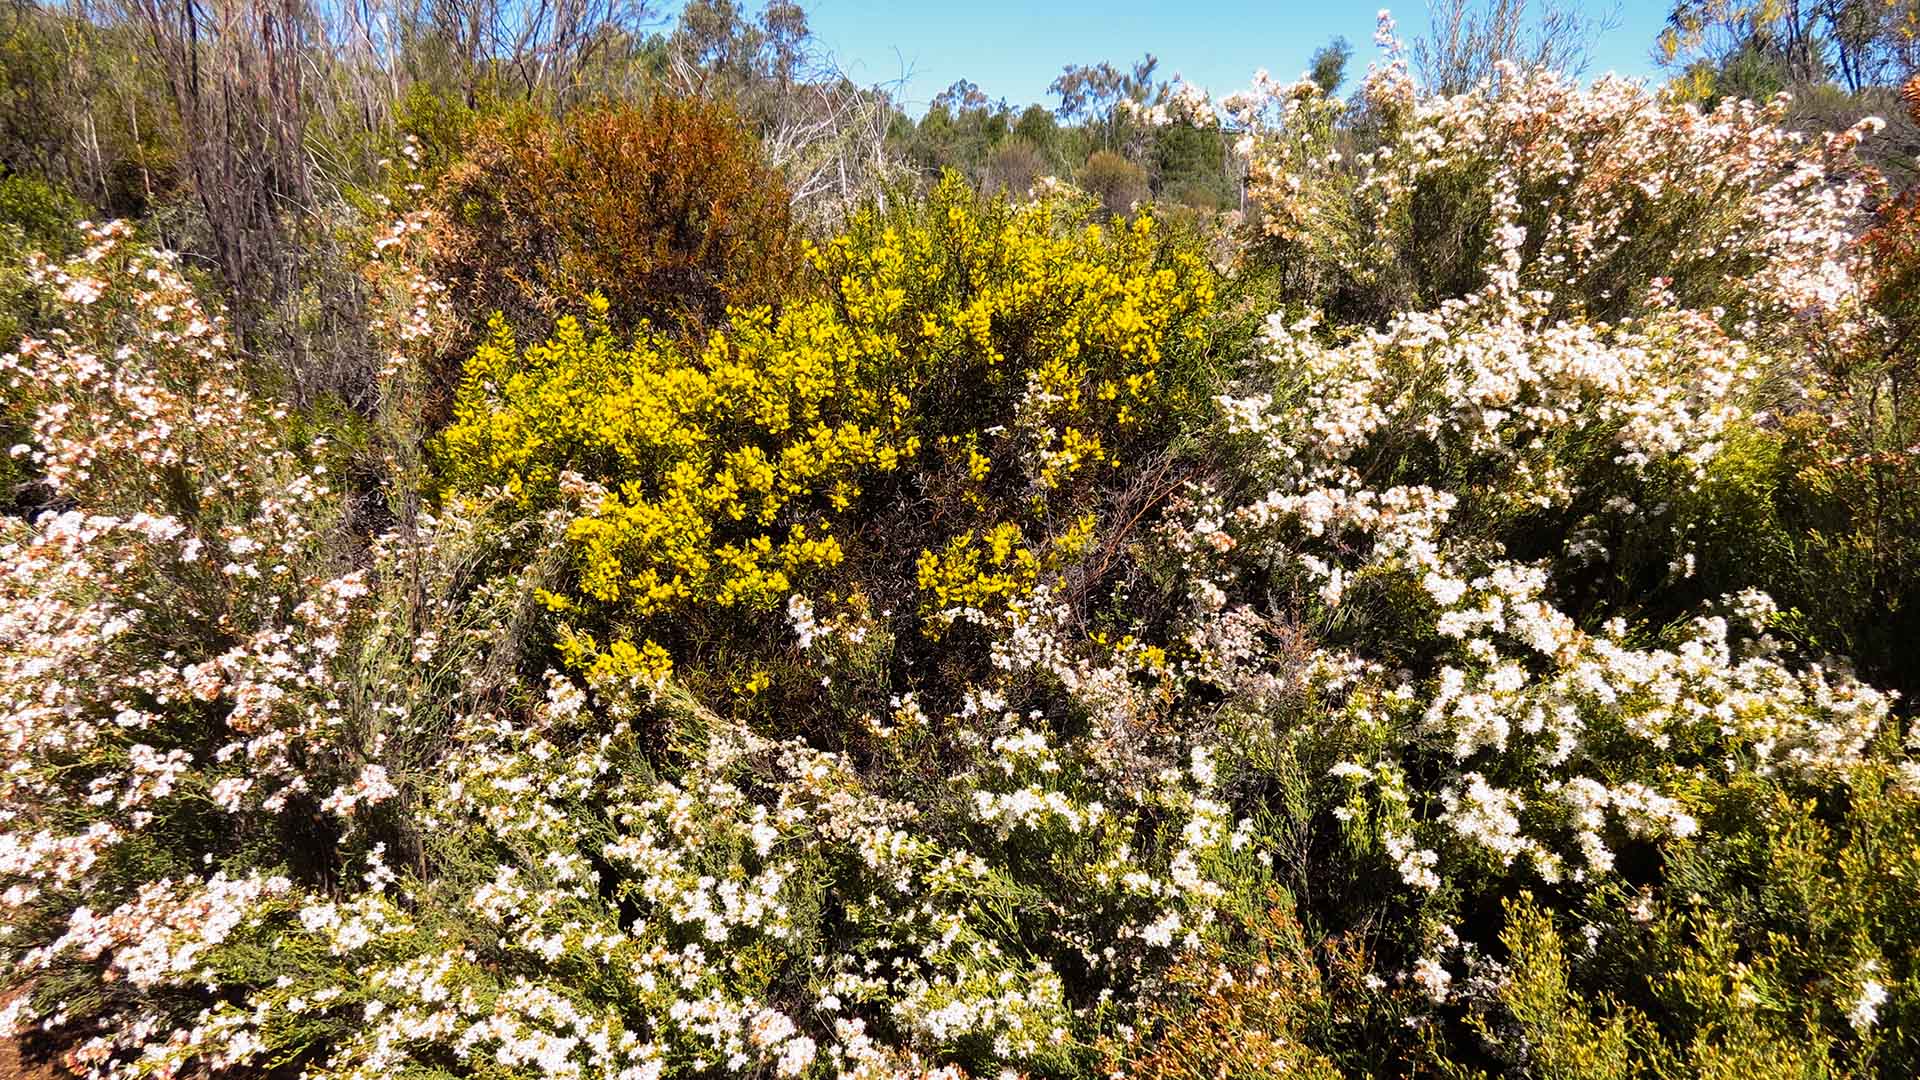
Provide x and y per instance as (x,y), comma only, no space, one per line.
(34,218)
(1120,159)
(1819,509)
(1563,1039)
(987,142)
(44,216)
(1014,167)
(1779,919)
(1824,526)
(80,111)
(1192,167)
(1327,67)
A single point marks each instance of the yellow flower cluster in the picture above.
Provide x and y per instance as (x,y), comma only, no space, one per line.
(700,458)
(647,662)
(1083,313)
(985,571)
(726,478)
(976,571)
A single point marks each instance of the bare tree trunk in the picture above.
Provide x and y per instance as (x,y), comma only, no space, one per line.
(234,71)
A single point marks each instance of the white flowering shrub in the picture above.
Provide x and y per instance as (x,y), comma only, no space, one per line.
(284,796)
(1483,724)
(1578,785)
(179,571)
(212,699)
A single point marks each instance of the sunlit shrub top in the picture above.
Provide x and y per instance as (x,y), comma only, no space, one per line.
(1610,198)
(967,336)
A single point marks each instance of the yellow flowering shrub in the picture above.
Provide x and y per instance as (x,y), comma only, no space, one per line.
(1005,353)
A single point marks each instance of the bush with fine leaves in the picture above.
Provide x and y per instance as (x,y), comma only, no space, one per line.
(666,208)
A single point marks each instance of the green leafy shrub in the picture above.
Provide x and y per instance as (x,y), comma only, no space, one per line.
(1014,166)
(1817,502)
(34,219)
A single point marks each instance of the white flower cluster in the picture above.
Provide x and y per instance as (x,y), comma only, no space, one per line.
(843,630)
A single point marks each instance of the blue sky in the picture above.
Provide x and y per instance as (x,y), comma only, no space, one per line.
(1014,50)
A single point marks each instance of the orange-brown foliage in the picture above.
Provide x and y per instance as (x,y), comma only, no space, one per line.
(1894,246)
(1239,1020)
(666,207)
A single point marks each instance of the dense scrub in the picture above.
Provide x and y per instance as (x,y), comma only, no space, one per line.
(985,365)
(1458,622)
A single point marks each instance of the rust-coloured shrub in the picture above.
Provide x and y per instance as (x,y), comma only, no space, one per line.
(1893,246)
(1115,181)
(666,207)
(1250,1015)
